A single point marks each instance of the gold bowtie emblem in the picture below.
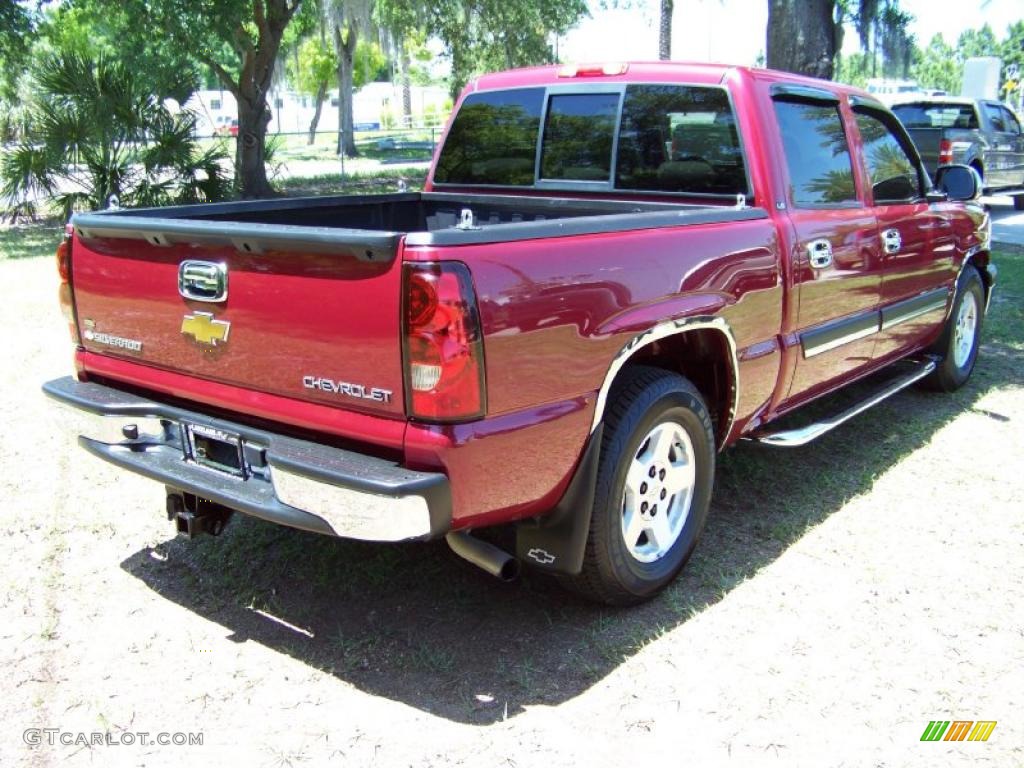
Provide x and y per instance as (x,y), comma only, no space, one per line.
(204,329)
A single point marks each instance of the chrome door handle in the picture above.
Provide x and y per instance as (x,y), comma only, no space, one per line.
(819,253)
(892,241)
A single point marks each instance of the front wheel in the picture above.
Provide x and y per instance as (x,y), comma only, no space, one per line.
(960,339)
(654,486)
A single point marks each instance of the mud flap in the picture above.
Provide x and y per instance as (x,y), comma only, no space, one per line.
(556,542)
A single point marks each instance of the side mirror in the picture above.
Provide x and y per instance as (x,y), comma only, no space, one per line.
(959,182)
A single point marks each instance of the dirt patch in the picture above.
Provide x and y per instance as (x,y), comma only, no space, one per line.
(844,594)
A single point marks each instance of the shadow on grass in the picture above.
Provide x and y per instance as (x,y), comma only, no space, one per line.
(29,241)
(415,624)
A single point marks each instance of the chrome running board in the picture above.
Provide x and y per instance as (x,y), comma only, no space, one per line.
(793,438)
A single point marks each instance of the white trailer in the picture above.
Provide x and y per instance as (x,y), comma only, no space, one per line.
(981,78)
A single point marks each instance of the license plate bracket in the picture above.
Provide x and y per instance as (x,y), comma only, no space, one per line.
(215,449)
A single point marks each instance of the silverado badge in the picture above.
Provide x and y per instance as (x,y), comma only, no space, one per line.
(204,329)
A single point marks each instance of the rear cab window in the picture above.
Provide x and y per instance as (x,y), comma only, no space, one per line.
(578,135)
(650,138)
(493,140)
(937,115)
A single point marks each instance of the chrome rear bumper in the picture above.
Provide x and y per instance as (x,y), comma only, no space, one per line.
(297,483)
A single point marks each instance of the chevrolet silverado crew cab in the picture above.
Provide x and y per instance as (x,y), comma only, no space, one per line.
(614,272)
(984,134)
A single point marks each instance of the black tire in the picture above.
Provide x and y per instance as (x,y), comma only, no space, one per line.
(1018,203)
(642,400)
(953,372)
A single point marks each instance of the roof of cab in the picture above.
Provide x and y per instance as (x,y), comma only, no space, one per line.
(652,72)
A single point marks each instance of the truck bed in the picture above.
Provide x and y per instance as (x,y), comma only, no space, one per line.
(370,227)
(312,294)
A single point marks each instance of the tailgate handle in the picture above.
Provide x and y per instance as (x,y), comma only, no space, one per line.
(203,281)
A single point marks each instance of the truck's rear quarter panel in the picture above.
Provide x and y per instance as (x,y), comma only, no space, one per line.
(555,313)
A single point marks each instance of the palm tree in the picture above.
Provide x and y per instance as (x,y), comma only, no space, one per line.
(97,137)
(665,31)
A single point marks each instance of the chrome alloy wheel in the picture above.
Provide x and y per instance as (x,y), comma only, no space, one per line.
(658,493)
(965,329)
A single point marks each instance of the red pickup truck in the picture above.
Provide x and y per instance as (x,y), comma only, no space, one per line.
(613,273)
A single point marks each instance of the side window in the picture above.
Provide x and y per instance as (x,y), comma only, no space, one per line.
(893,174)
(679,138)
(817,153)
(995,118)
(1012,125)
(578,135)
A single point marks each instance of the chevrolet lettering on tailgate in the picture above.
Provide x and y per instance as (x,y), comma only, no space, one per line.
(345,388)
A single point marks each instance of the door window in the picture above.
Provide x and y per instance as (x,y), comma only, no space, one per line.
(995,118)
(817,154)
(892,170)
(1010,121)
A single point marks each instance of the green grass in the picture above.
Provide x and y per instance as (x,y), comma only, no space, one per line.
(1005,325)
(29,241)
(353,183)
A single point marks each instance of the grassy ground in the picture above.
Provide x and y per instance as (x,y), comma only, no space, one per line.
(377,150)
(29,241)
(353,183)
(844,594)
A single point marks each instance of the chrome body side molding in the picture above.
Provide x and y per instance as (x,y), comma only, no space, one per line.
(913,308)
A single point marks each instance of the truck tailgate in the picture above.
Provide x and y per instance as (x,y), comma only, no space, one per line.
(311,325)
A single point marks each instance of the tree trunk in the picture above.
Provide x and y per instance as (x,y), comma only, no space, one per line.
(321,94)
(801,37)
(345,45)
(874,50)
(253,119)
(406,85)
(665,31)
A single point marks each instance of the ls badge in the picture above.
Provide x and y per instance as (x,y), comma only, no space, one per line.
(204,329)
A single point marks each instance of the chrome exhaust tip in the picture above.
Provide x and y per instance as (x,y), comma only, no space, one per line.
(482,554)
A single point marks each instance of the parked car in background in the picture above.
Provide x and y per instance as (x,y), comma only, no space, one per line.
(983,134)
(220,125)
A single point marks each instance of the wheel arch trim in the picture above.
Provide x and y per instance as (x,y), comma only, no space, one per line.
(987,274)
(665,330)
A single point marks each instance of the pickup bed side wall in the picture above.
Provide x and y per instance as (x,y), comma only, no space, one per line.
(556,312)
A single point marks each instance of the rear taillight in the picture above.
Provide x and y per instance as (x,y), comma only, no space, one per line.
(64,260)
(444,351)
(945,152)
(64,293)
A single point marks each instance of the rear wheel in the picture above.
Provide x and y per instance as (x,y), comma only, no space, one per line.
(1018,203)
(961,337)
(653,490)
